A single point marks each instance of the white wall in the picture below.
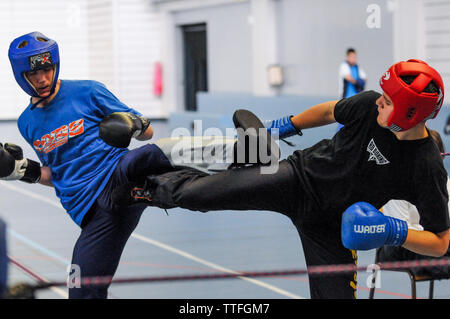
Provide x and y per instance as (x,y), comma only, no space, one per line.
(124,37)
(229,46)
(422,30)
(307,38)
(118,42)
(102,55)
(137,28)
(315,34)
(436,24)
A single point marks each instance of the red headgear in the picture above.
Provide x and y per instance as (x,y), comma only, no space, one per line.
(411,104)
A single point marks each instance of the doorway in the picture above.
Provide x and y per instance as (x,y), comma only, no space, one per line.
(195,63)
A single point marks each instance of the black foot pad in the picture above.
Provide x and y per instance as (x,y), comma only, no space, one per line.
(252,138)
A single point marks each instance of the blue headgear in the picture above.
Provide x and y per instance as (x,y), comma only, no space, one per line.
(31,52)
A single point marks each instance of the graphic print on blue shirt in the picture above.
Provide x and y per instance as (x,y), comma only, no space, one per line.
(64,135)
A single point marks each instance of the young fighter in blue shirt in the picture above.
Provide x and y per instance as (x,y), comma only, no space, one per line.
(61,123)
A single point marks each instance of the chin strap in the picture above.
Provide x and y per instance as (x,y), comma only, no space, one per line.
(33,105)
(42,99)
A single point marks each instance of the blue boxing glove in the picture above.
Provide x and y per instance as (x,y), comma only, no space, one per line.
(284,126)
(364,227)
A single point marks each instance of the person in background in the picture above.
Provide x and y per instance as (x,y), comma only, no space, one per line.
(352,78)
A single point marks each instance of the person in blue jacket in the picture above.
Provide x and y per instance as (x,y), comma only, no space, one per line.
(352,78)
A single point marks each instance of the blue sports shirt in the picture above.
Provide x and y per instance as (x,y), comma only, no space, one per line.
(64,135)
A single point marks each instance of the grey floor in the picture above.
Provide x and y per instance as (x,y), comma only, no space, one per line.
(41,236)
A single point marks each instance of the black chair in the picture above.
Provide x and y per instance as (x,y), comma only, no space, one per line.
(385,254)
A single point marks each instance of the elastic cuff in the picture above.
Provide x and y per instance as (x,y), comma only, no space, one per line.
(299,132)
(145,124)
(398,232)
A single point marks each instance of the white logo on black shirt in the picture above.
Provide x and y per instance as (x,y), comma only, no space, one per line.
(375,154)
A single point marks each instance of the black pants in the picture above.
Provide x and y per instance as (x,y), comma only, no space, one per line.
(247,189)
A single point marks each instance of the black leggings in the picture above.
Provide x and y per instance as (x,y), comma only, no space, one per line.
(248,189)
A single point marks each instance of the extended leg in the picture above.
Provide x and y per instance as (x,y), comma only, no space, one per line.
(236,189)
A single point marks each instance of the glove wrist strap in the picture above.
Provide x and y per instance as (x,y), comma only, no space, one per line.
(297,131)
(32,173)
(144,124)
(398,232)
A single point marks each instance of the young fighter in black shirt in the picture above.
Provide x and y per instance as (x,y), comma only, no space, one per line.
(383,152)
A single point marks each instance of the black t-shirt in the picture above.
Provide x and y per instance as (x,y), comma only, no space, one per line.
(365,162)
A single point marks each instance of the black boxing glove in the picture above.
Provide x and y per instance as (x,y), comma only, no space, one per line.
(14,167)
(117,129)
